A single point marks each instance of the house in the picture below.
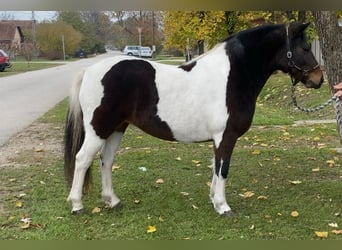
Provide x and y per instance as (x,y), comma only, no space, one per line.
(12,34)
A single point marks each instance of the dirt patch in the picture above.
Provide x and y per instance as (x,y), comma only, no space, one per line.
(37,138)
(28,148)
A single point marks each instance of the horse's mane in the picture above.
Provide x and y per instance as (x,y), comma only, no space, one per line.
(245,34)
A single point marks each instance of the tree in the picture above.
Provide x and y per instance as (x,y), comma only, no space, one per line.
(126,23)
(208,26)
(49,37)
(197,26)
(330,38)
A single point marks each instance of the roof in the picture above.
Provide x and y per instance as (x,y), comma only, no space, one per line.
(8,28)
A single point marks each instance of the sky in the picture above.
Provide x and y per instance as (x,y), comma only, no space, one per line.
(27,15)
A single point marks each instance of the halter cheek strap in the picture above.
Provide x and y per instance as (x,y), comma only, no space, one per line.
(291,63)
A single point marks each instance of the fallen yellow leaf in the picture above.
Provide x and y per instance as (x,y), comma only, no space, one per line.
(321,234)
(317,138)
(25,225)
(262,197)
(195,161)
(336,231)
(247,194)
(294,214)
(18,204)
(295,182)
(194,206)
(331,163)
(151,229)
(159,181)
(115,167)
(256,152)
(315,170)
(335,225)
(96,210)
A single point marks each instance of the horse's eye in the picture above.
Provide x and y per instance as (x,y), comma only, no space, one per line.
(307,47)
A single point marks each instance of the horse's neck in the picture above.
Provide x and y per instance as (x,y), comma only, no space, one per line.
(260,56)
(254,58)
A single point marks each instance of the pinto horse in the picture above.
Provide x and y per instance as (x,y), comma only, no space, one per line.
(212,98)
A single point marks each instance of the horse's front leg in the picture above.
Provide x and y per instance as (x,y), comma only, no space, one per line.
(223,152)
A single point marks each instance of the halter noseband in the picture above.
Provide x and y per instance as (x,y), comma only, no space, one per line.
(292,64)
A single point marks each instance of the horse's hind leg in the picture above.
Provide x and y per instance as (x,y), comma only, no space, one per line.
(91,145)
(107,159)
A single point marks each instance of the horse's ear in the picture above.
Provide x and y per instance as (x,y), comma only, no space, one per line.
(299,27)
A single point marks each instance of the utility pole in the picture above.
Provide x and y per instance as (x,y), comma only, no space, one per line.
(34,42)
(63,47)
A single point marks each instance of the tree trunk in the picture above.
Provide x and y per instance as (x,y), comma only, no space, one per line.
(330,39)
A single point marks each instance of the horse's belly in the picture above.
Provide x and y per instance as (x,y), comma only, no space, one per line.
(194,126)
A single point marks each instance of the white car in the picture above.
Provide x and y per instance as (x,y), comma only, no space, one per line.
(135,50)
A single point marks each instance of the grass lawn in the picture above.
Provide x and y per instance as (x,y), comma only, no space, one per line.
(285,183)
(23,66)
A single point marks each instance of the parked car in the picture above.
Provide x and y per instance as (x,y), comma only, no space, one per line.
(80,54)
(146,52)
(4,61)
(136,50)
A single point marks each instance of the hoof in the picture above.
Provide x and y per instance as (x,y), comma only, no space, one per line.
(76,212)
(118,206)
(229,214)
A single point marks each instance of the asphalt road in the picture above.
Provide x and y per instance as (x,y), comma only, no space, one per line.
(27,96)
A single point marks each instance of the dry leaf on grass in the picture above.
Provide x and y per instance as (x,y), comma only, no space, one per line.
(159,181)
(247,194)
(331,163)
(294,214)
(262,197)
(335,225)
(194,207)
(151,229)
(96,210)
(295,182)
(315,170)
(321,234)
(19,204)
(338,232)
(256,152)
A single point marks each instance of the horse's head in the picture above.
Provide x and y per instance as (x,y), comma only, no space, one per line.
(301,63)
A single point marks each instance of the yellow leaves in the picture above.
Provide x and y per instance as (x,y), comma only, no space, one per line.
(321,234)
(159,181)
(151,229)
(247,194)
(96,210)
(295,182)
(115,168)
(315,170)
(337,232)
(262,197)
(294,214)
(196,162)
(18,204)
(335,225)
(256,152)
(331,163)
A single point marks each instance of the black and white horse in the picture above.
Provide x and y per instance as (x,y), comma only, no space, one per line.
(210,98)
